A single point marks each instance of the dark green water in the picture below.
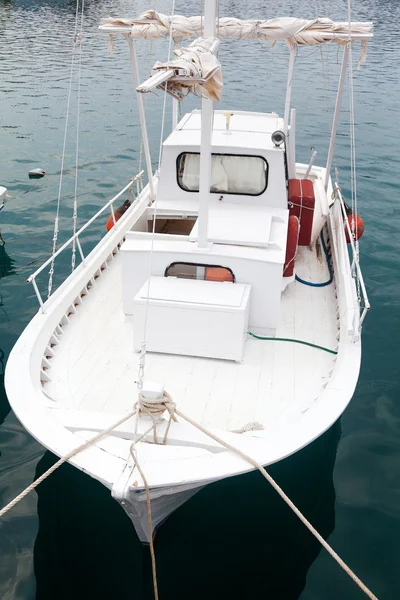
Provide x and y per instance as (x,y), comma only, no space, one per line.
(235,539)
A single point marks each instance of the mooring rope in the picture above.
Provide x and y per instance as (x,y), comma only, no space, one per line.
(149,520)
(62,460)
(166,403)
(157,408)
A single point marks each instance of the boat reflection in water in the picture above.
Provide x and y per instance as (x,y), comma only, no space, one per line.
(234,538)
(6,268)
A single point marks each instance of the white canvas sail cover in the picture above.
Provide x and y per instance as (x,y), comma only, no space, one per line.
(152,25)
(195,62)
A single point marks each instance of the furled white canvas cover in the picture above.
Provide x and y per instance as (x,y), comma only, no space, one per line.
(197,62)
(152,25)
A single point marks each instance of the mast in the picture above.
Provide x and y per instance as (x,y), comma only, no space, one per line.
(207,113)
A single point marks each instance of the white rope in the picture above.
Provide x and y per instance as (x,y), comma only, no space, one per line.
(78,110)
(56,219)
(286,498)
(353,175)
(142,360)
(158,407)
(165,95)
(62,460)
(154,408)
(149,521)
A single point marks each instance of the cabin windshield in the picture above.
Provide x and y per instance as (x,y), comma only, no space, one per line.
(230,173)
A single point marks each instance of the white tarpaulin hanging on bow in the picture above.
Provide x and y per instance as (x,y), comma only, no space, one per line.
(194,62)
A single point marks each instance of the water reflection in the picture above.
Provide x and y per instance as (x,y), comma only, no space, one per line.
(234,538)
(6,268)
(6,262)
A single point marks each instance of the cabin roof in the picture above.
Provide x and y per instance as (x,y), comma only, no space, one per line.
(247,130)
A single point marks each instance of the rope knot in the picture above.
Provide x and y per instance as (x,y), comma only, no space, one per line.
(155,406)
(153,401)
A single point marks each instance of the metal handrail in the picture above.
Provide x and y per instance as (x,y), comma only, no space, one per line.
(355,265)
(110,203)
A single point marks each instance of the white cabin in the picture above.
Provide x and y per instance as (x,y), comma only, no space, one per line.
(247,232)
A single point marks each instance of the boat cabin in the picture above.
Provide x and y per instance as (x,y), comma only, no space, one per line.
(233,283)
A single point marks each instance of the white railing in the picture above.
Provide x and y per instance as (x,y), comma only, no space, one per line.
(110,204)
(355,264)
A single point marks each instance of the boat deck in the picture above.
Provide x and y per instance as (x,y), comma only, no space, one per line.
(94,368)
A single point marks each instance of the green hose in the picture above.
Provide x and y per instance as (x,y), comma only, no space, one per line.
(259,337)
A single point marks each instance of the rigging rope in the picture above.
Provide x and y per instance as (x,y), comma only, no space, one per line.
(353,176)
(166,85)
(78,109)
(142,360)
(56,219)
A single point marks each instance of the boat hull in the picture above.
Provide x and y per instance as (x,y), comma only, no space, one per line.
(176,478)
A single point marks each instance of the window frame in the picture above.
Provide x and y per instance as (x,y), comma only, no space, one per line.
(201,265)
(225,154)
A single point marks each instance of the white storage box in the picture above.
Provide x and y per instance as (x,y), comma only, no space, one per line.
(192,317)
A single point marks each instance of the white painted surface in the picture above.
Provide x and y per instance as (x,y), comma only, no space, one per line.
(259,267)
(242,225)
(193,292)
(244,121)
(192,317)
(96,367)
(249,135)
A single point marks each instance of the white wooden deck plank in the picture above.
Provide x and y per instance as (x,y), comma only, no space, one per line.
(124,393)
(96,364)
(218,407)
(284,382)
(244,400)
(198,389)
(102,350)
(264,406)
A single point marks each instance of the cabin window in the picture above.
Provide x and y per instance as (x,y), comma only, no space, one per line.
(187,270)
(230,173)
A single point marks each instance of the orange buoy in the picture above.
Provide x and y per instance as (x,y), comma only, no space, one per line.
(118,214)
(356,225)
(291,245)
(110,223)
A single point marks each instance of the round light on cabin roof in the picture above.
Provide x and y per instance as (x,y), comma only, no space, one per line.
(278,137)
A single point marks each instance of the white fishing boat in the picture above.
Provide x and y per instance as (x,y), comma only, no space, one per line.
(222,303)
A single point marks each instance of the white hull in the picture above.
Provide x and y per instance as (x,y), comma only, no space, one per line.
(72,372)
(163,504)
